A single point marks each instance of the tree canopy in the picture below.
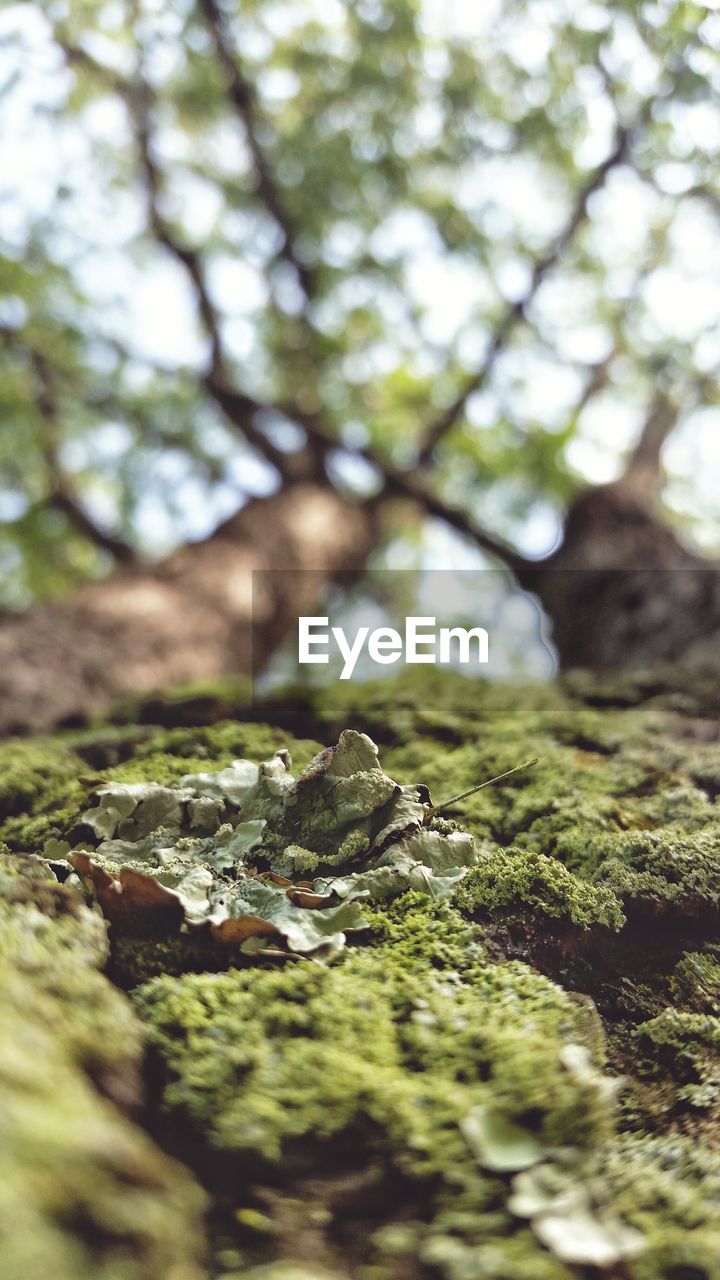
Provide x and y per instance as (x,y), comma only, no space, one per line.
(465,254)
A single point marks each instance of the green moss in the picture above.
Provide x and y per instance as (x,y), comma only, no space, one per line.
(384,1055)
(515,1258)
(669,1188)
(32,772)
(298,1070)
(514,881)
(417,935)
(83,1192)
(38,788)
(31,834)
(44,783)
(422,1000)
(667,873)
(226,741)
(688,1044)
(199,702)
(368,1069)
(137,960)
(695,982)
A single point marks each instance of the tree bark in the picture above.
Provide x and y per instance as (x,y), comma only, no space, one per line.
(189,617)
(622,591)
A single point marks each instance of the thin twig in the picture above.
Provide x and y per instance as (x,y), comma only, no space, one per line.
(489,782)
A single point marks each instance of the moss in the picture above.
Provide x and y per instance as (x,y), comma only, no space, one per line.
(419,935)
(83,1191)
(512,881)
(688,1044)
(134,961)
(295,1071)
(199,702)
(287,1271)
(669,1188)
(695,982)
(44,783)
(32,772)
(422,1000)
(516,1258)
(37,778)
(225,741)
(341,1091)
(383,1056)
(667,873)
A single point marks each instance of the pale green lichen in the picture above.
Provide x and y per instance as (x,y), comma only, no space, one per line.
(44,782)
(211,854)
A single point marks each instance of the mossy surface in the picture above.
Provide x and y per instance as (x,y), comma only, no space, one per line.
(519,1083)
(512,880)
(83,1191)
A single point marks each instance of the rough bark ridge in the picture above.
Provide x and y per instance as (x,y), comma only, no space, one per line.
(518,1082)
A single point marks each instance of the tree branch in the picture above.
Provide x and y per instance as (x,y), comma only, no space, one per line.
(643,469)
(411,485)
(239,408)
(445,421)
(62,495)
(242,96)
(137,98)
(139,104)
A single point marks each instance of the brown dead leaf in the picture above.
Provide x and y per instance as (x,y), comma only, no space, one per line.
(135,901)
(240,928)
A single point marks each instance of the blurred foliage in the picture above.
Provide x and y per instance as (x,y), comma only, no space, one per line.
(424,157)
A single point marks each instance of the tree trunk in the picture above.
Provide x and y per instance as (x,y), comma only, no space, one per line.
(622,592)
(187,618)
